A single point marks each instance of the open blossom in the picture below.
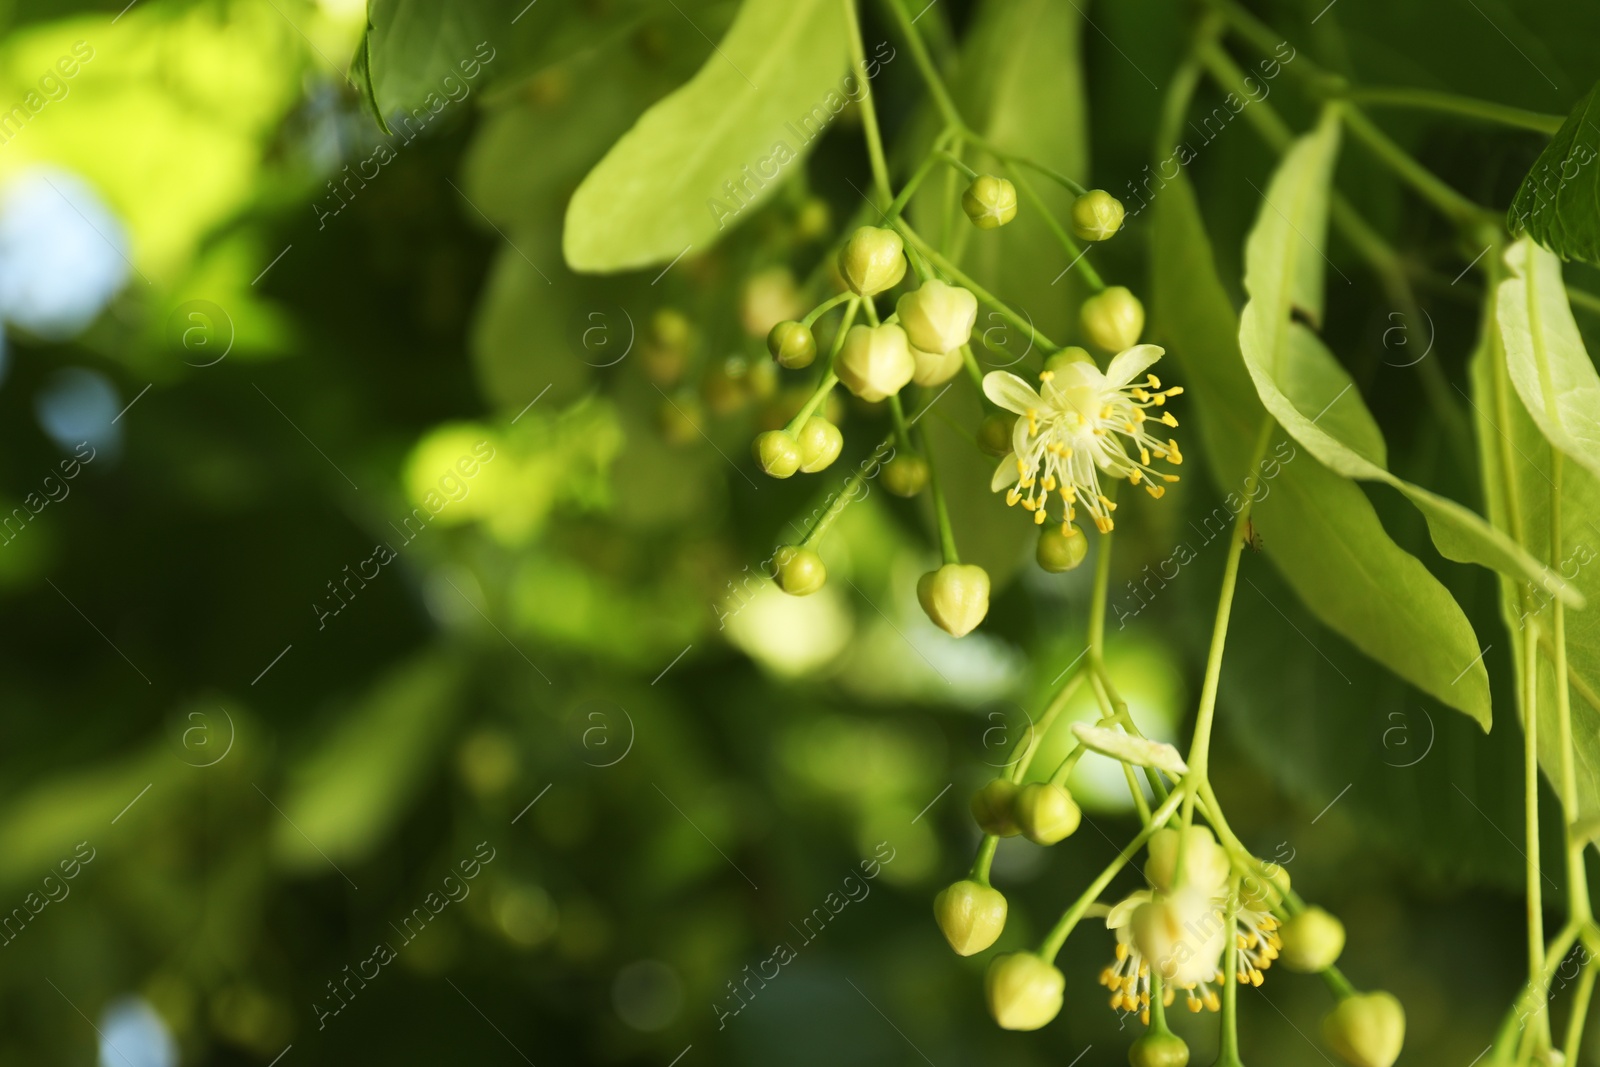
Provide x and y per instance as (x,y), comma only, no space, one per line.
(1080,422)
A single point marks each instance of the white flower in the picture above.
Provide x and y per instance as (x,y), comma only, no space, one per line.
(1083,421)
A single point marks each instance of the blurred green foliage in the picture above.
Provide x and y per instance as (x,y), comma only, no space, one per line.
(573,657)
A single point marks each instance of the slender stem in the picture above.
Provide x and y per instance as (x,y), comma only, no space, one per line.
(869,110)
(923,170)
(977,290)
(1580,1013)
(955,161)
(1228,1054)
(825,307)
(1337,982)
(1200,747)
(851,491)
(1577,876)
(1063,927)
(924,64)
(1451,203)
(947,536)
(985,857)
(1530,800)
(1583,299)
(1070,246)
(1032,164)
(829,379)
(1029,745)
(1102,588)
(1451,104)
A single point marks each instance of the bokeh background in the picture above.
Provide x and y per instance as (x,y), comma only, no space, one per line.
(352,543)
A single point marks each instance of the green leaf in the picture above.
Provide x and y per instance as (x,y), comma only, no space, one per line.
(1519,484)
(1318,528)
(1549,366)
(1558,203)
(741,123)
(345,797)
(1304,386)
(418,53)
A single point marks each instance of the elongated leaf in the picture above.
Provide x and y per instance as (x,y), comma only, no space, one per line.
(1318,528)
(1549,366)
(1304,386)
(1519,485)
(697,162)
(1558,203)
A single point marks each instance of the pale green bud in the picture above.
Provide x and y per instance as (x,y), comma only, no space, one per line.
(937,317)
(778,453)
(1046,812)
(971,916)
(670,328)
(935,368)
(1024,991)
(872,260)
(1366,1029)
(820,442)
(876,361)
(956,597)
(992,808)
(1205,864)
(792,344)
(1070,354)
(1158,1048)
(1096,216)
(1061,548)
(800,570)
(1112,319)
(1312,941)
(994,432)
(906,475)
(989,202)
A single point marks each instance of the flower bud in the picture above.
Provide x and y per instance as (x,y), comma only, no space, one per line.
(1112,319)
(935,368)
(1312,941)
(1205,864)
(1159,1048)
(994,432)
(1182,935)
(813,219)
(872,260)
(670,328)
(1046,812)
(800,570)
(1096,216)
(906,475)
(820,442)
(970,915)
(778,453)
(1024,991)
(956,597)
(1061,548)
(1067,356)
(876,361)
(937,317)
(792,344)
(992,807)
(1366,1029)
(989,202)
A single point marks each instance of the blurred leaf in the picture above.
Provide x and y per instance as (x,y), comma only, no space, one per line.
(1518,483)
(344,798)
(414,49)
(654,194)
(1304,386)
(1566,220)
(1318,528)
(1549,366)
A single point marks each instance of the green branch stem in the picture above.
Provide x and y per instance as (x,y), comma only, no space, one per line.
(829,378)
(1075,254)
(947,535)
(869,110)
(1452,104)
(983,295)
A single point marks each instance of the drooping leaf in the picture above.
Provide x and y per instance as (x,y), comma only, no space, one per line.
(1549,366)
(1519,486)
(1558,203)
(1318,528)
(1303,385)
(695,163)
(345,797)
(1129,749)
(418,53)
